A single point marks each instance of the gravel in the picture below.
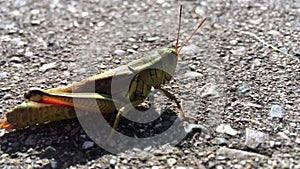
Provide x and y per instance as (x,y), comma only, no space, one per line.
(241,70)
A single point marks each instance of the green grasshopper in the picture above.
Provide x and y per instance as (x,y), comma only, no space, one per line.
(58,103)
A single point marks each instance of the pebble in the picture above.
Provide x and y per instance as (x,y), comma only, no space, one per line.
(28,54)
(35,11)
(248,104)
(143,156)
(192,74)
(255,21)
(171,161)
(283,135)
(15,59)
(112,162)
(237,154)
(47,66)
(227,129)
(239,51)
(160,1)
(135,47)
(87,145)
(244,88)
(274,32)
(297,140)
(255,138)
(256,62)
(131,39)
(120,52)
(200,10)
(3,74)
(233,42)
(131,51)
(208,90)
(189,50)
(7,96)
(28,160)
(276,111)
(219,141)
(152,39)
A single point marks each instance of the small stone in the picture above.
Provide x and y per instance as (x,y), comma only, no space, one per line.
(35,22)
(233,42)
(297,140)
(208,90)
(276,111)
(248,104)
(18,42)
(28,54)
(117,61)
(131,51)
(143,156)
(237,154)
(255,21)
(152,39)
(47,66)
(87,145)
(255,138)
(112,162)
(131,39)
(189,50)
(15,13)
(101,23)
(239,51)
(224,128)
(135,47)
(160,1)
(200,10)
(7,96)
(244,88)
(53,164)
(15,59)
(274,32)
(171,161)
(192,74)
(3,74)
(120,52)
(28,160)
(219,141)
(283,135)
(35,11)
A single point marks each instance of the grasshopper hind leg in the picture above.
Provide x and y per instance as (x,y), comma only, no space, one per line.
(122,112)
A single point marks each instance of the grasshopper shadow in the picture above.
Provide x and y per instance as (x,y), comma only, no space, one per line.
(63,141)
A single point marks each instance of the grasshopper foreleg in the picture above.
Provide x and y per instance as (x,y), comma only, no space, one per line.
(173,98)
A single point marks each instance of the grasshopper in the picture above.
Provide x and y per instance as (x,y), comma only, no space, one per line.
(58,103)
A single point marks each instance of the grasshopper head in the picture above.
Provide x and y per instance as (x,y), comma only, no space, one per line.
(165,52)
(169,58)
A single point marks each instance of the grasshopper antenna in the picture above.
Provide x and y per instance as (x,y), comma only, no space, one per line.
(199,26)
(179,24)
